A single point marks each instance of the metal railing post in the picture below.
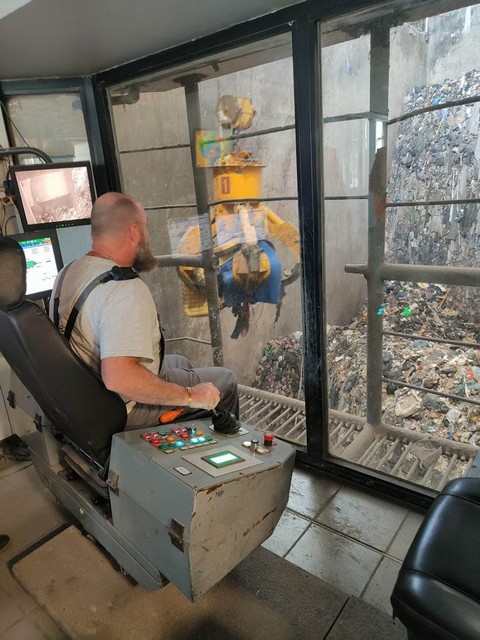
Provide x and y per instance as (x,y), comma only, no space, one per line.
(379,76)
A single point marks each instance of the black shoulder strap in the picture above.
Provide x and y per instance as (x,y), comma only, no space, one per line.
(116,273)
(56,294)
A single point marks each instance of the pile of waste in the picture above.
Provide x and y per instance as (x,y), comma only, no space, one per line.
(281,366)
(435,158)
(424,310)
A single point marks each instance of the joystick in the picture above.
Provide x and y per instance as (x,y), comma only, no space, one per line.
(225,422)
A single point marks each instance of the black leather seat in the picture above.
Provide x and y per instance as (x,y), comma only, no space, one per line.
(437,593)
(68,392)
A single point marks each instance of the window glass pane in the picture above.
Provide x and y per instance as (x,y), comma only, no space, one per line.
(401,218)
(346,153)
(346,60)
(243,184)
(53,123)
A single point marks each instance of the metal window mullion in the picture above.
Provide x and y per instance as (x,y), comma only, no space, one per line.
(379,77)
(192,100)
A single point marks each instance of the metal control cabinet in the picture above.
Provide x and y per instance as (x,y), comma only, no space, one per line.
(195,524)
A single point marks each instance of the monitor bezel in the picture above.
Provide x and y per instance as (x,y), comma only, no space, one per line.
(25,168)
(35,235)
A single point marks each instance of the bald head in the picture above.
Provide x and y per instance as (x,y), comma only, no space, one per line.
(112,213)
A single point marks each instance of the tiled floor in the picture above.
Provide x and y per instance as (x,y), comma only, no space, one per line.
(350,539)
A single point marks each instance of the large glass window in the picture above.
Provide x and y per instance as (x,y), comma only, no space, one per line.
(401,104)
(53,123)
(232,204)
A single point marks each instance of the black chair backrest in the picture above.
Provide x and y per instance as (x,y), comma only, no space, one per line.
(70,394)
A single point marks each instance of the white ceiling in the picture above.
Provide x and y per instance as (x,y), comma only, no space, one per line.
(60,38)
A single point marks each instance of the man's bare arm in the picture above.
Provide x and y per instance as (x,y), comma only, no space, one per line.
(126,376)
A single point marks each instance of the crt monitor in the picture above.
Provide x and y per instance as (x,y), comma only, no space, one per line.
(44,261)
(59,194)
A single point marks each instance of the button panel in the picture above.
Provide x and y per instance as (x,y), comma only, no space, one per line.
(177,438)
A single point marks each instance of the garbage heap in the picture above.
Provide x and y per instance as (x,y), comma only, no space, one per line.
(424,310)
(436,157)
(281,366)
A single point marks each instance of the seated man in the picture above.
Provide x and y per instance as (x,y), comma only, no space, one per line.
(117,332)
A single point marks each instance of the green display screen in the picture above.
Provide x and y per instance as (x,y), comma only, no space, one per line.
(222,459)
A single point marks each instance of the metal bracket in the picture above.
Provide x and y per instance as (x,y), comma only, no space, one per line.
(112,481)
(176,535)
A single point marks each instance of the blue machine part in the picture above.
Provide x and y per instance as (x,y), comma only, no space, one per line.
(268,292)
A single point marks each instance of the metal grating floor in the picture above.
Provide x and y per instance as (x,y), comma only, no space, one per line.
(410,455)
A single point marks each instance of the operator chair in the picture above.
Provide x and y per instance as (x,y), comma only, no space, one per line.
(85,413)
(437,592)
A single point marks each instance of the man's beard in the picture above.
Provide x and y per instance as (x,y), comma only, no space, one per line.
(144,259)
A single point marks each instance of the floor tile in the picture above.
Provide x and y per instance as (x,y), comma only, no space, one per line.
(381,585)
(32,510)
(289,529)
(24,629)
(46,625)
(13,589)
(339,561)
(360,621)
(309,493)
(404,536)
(10,613)
(363,517)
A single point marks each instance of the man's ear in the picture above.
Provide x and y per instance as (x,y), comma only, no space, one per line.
(134,233)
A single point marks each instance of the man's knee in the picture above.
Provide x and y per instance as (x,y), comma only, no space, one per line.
(174,361)
(230,380)
(231,394)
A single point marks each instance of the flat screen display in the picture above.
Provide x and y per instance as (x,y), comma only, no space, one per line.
(53,195)
(223,459)
(43,258)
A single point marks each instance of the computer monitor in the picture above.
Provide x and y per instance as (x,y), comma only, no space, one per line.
(59,194)
(44,261)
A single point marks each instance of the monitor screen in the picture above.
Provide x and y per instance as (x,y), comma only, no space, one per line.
(53,195)
(44,261)
(222,459)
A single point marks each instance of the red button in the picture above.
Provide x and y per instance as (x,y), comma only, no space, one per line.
(268,439)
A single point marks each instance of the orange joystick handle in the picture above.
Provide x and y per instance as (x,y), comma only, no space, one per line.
(169,416)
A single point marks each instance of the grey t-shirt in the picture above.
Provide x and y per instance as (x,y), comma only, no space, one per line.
(118,318)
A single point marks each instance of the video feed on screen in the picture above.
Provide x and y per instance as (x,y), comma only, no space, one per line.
(54,196)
